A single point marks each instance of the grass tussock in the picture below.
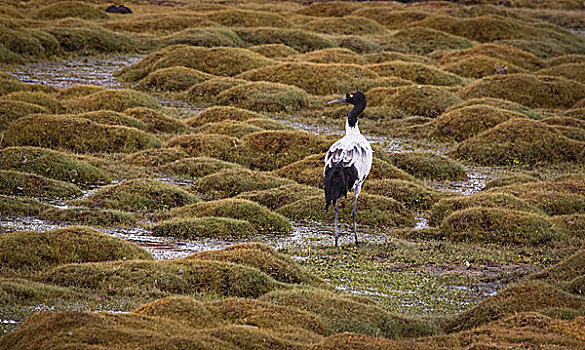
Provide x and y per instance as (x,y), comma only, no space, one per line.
(329,9)
(410,194)
(229,127)
(205,93)
(246,18)
(52,164)
(87,39)
(10,84)
(217,114)
(422,41)
(204,36)
(392,18)
(277,197)
(266,97)
(115,100)
(506,53)
(160,23)
(194,167)
(422,100)
(155,157)
(37,98)
(498,103)
(89,217)
(25,184)
(507,180)
(21,206)
(64,9)
(427,165)
(572,224)
(78,91)
(348,25)
(77,135)
(12,110)
(273,50)
(565,272)
(358,44)
(222,147)
(416,72)
(334,55)
(33,251)
(233,181)
(172,79)
(300,40)
(264,220)
(143,195)
(573,71)
(156,121)
(566,59)
(480,66)
(113,118)
(269,124)
(206,227)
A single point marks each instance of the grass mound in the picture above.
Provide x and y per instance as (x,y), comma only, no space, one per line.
(273,50)
(64,9)
(263,219)
(329,9)
(207,227)
(358,44)
(262,96)
(277,197)
(217,114)
(32,250)
(37,98)
(372,210)
(506,53)
(463,123)
(139,195)
(529,90)
(562,273)
(269,124)
(245,18)
(259,255)
(481,66)
(233,181)
(10,84)
(408,193)
(229,127)
(572,224)
(160,23)
(113,118)
(76,134)
(422,100)
(87,39)
(205,93)
(87,216)
(498,103)
(334,55)
(173,79)
(205,36)
(348,25)
(520,141)
(208,145)
(25,184)
(427,165)
(300,40)
(156,121)
(12,110)
(273,149)
(509,180)
(21,206)
(194,167)
(573,71)
(447,206)
(422,41)
(318,79)
(78,91)
(344,314)
(155,156)
(416,72)
(392,18)
(566,59)
(115,100)
(52,164)
(181,308)
(497,225)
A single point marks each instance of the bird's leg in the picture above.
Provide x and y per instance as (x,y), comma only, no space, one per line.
(336,214)
(354,212)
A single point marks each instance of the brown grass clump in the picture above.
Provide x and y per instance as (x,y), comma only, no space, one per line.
(388,56)
(208,145)
(498,225)
(181,308)
(89,216)
(529,90)
(33,250)
(408,193)
(12,110)
(498,103)
(463,123)
(422,100)
(273,50)
(373,210)
(160,23)
(566,59)
(506,53)
(25,184)
(269,124)
(115,100)
(520,141)
(52,164)
(275,198)
(194,167)
(205,36)
(564,272)
(221,113)
(334,55)
(329,9)
(86,39)
(157,121)
(78,91)
(205,93)
(358,44)
(392,18)
(229,127)
(423,41)
(298,39)
(480,66)
(416,72)
(38,98)
(172,79)
(263,219)
(573,71)
(9,84)
(262,96)
(319,79)
(155,157)
(348,25)
(509,180)
(112,118)
(207,227)
(259,255)
(64,9)
(13,206)
(145,195)
(233,181)
(244,18)
(76,134)
(573,224)
(427,165)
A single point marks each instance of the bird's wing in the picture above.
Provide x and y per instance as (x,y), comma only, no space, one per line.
(348,152)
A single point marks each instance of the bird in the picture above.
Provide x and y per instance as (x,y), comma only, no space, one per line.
(348,161)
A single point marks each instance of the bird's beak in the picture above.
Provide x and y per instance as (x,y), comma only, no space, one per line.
(341,99)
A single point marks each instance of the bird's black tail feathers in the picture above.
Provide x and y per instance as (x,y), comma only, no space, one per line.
(338,181)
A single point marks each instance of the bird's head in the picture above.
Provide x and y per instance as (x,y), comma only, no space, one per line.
(352,97)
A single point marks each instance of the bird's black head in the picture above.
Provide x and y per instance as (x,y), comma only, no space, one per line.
(353,97)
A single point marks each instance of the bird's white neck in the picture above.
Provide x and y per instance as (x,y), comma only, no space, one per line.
(352,130)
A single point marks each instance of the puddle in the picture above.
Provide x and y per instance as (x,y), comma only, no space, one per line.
(475,182)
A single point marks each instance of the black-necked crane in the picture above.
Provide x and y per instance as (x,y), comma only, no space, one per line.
(348,161)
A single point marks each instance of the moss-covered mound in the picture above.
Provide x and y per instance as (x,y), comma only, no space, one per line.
(416,72)
(498,103)
(391,17)
(173,79)
(447,206)
(372,210)
(205,93)
(259,255)
(564,272)
(506,53)
(423,100)
(408,193)
(520,141)
(21,206)
(574,71)
(334,55)
(205,36)
(208,145)
(298,39)
(509,180)
(348,25)
(32,250)
(423,41)
(233,181)
(78,91)
(529,90)
(144,195)
(206,227)
(344,314)
(115,100)
(498,225)
(52,164)
(88,216)
(113,118)
(12,110)
(244,18)
(157,121)
(573,224)
(160,23)
(481,66)
(273,50)
(25,184)
(522,297)
(76,134)
(229,127)
(37,98)
(427,165)
(221,113)
(263,219)
(329,9)
(217,60)
(194,167)
(273,149)
(463,123)
(155,156)
(263,96)
(269,124)
(86,39)
(275,198)
(64,9)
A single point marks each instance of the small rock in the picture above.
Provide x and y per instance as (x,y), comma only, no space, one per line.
(119,9)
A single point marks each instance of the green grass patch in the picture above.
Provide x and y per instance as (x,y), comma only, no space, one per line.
(87,39)
(481,66)
(37,98)
(273,50)
(156,157)
(416,72)
(172,79)
(410,194)
(422,100)
(194,167)
(427,165)
(277,197)
(156,121)
(217,114)
(115,100)
(205,93)
(300,40)
(25,184)
(263,96)
(113,118)
(12,110)
(498,103)
(422,41)
(229,127)
(506,53)
(208,145)
(245,18)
